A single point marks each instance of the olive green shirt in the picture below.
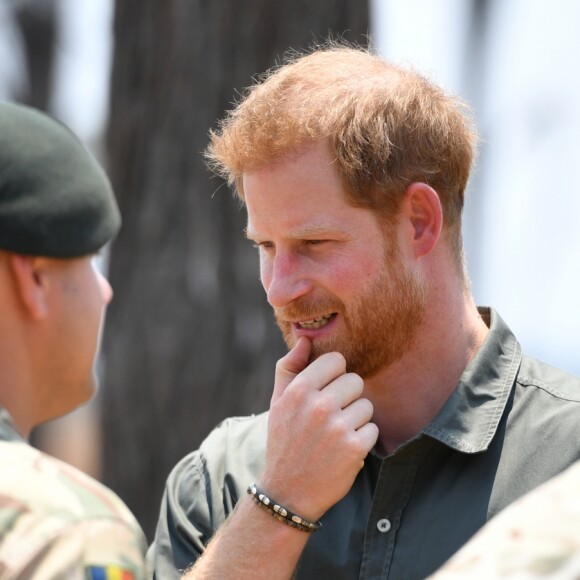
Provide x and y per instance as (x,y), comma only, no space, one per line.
(511,424)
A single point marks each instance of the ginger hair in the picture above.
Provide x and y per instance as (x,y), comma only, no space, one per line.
(387,126)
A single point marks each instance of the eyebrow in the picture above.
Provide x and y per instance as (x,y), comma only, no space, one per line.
(304,232)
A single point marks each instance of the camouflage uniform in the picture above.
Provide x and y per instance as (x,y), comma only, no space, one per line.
(537,536)
(56,522)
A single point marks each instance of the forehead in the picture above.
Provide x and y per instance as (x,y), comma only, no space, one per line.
(302,191)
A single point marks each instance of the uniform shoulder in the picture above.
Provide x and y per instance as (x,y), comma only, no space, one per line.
(57,522)
(37,482)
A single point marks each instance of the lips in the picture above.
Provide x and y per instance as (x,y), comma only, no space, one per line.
(316,322)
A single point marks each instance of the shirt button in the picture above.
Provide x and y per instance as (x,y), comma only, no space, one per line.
(383,525)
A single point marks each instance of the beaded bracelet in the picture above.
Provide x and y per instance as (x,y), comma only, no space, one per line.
(281,513)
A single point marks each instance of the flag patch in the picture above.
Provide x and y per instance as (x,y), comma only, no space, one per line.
(108,573)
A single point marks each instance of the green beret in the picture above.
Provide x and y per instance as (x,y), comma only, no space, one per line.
(55,200)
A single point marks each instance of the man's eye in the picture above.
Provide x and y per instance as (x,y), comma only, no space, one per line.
(264,245)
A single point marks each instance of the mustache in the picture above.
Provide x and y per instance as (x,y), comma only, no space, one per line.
(306,309)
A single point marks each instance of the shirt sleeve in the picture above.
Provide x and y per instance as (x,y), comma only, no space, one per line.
(185,521)
(201,492)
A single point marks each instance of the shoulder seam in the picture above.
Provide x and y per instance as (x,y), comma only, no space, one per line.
(533,382)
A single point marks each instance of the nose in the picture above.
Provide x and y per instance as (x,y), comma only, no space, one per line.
(103,283)
(284,279)
(106,289)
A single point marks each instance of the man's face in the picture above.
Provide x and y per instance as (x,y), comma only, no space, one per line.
(328,269)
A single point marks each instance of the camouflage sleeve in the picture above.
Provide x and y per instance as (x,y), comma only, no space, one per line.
(538,536)
(101,549)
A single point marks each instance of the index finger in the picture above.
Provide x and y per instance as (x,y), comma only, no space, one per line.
(290,365)
(321,372)
(318,374)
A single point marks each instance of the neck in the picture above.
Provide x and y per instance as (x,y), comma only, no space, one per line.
(408,394)
(18,380)
(15,397)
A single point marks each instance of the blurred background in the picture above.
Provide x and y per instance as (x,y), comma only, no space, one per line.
(189,337)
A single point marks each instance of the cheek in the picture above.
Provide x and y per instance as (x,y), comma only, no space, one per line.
(353,273)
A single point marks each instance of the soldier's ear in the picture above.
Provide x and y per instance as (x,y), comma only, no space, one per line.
(31,282)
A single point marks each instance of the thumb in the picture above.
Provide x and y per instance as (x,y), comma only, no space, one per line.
(290,365)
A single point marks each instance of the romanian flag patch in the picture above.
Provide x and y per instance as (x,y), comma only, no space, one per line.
(108,573)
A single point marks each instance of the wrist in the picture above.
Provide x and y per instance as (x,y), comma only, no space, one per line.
(293,494)
(282,513)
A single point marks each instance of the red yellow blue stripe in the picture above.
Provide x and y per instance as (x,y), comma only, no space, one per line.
(108,573)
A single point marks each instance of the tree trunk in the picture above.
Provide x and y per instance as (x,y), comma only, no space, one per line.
(189,338)
(37,24)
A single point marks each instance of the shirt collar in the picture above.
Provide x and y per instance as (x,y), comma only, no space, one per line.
(8,431)
(470,417)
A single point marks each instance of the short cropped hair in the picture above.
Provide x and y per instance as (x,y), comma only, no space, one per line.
(387,126)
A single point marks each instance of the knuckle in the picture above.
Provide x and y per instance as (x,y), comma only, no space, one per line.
(356,381)
(339,359)
(321,408)
(342,429)
(336,359)
(363,409)
(280,365)
(353,447)
(372,436)
(298,391)
(367,406)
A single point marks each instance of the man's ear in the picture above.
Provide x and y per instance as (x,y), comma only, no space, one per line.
(31,283)
(422,208)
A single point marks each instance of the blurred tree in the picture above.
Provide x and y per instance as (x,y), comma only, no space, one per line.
(189,338)
(37,22)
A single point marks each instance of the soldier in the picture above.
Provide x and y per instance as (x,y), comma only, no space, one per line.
(56,210)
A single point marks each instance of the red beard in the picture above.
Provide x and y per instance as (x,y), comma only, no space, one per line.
(374,330)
